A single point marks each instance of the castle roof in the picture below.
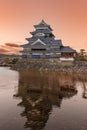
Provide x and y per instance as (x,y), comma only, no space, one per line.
(45,31)
(43,24)
(56,42)
(67,49)
(46,39)
(48,42)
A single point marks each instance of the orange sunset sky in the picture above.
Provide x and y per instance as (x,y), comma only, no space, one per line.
(68,18)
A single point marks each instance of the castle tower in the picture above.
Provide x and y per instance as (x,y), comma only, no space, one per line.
(43,44)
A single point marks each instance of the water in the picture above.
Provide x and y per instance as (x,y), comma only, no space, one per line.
(42,100)
(9,113)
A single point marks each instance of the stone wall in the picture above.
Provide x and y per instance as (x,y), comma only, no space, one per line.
(51,64)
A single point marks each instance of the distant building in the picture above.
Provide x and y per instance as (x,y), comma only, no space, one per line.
(43,44)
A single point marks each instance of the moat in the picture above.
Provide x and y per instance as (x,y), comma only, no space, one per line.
(32,100)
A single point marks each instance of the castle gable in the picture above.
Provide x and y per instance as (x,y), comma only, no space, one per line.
(38,43)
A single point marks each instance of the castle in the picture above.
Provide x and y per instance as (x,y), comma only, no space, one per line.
(43,44)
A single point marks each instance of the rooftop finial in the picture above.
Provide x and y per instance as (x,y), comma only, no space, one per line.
(42,21)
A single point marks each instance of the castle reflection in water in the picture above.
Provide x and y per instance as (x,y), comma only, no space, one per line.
(40,91)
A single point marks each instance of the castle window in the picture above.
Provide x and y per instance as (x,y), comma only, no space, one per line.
(34,49)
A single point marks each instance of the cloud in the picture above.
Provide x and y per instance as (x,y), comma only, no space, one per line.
(10,48)
(12,44)
(3,50)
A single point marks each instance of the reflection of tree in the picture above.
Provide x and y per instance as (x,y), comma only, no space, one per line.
(39,92)
(84,94)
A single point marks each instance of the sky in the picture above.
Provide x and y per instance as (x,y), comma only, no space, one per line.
(68,19)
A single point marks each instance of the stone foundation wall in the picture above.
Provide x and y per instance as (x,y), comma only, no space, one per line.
(50,65)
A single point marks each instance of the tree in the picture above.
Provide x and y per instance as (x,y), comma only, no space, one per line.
(6,60)
(14,61)
(82,52)
(81,55)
